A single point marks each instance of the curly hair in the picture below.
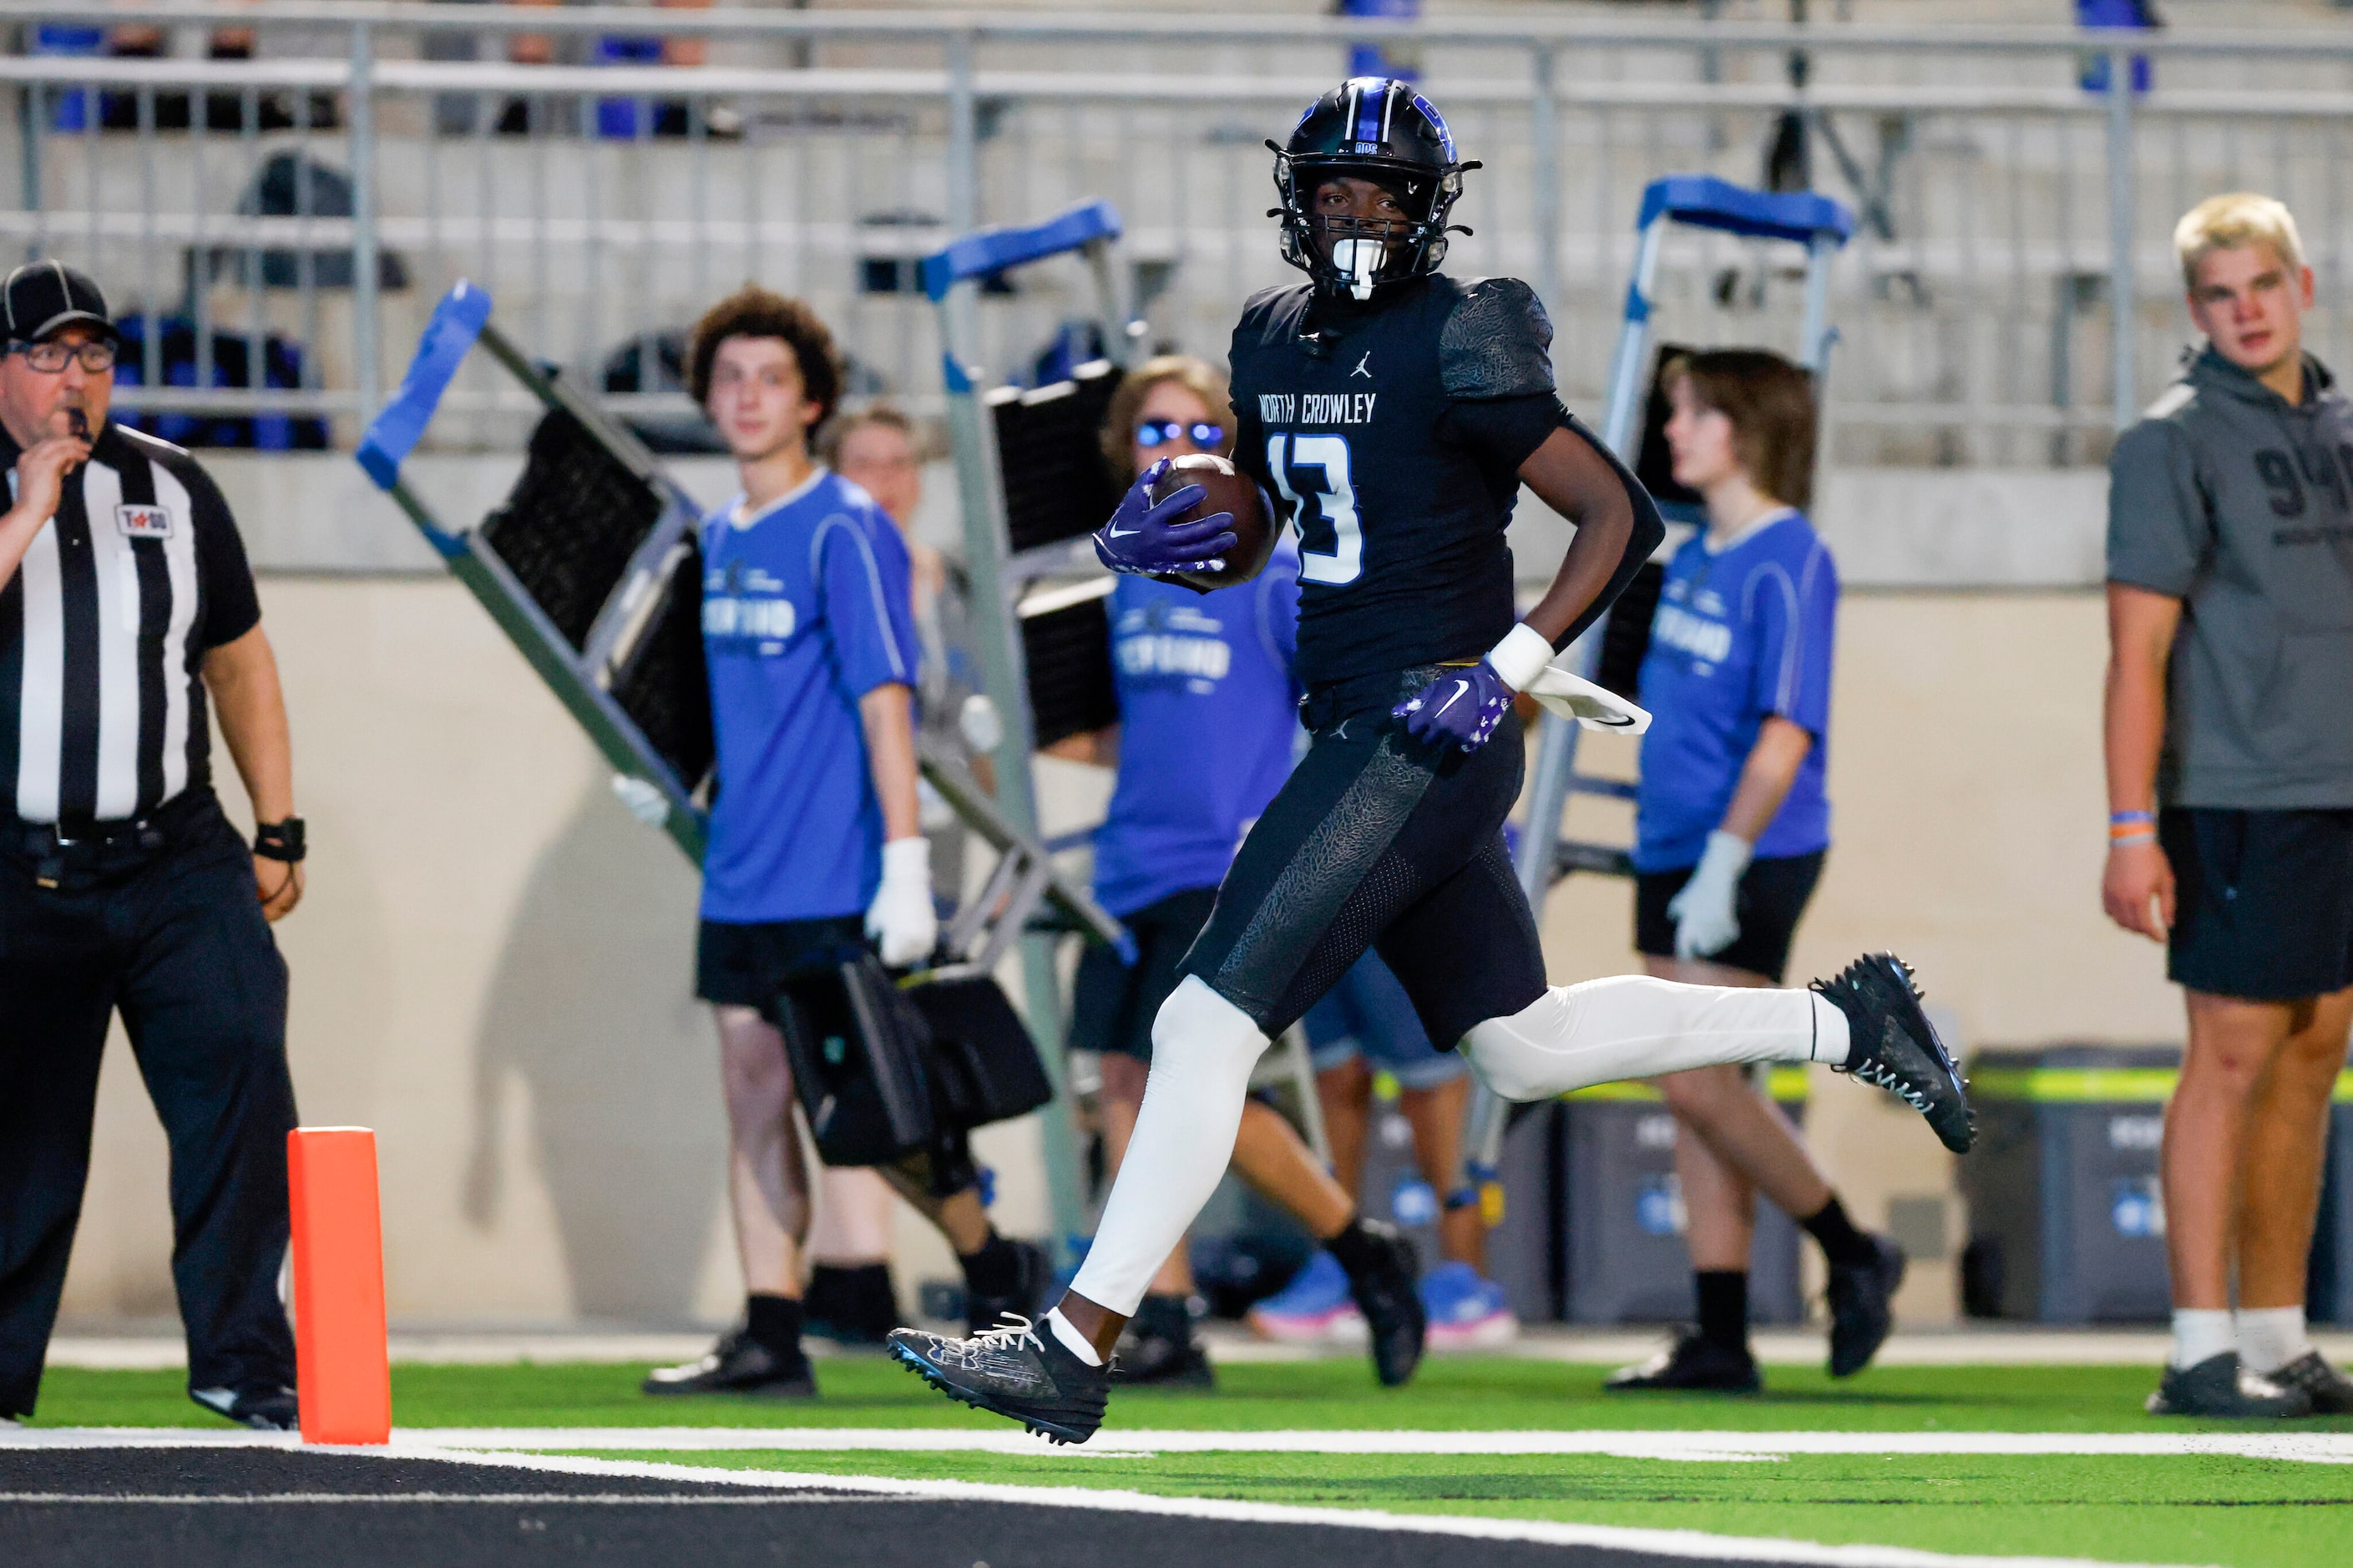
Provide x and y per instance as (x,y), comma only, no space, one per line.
(1119,422)
(752,311)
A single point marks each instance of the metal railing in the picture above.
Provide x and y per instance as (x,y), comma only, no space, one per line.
(323,200)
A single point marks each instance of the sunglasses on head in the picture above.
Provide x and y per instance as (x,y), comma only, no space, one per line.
(1160,432)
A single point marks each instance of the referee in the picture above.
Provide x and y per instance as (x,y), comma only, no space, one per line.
(125,603)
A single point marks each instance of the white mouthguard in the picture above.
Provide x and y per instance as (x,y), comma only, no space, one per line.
(1360,258)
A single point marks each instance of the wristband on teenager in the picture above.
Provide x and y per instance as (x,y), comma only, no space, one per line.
(2131,828)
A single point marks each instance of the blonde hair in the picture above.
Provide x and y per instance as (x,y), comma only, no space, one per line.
(2233,221)
(839,430)
(1198,375)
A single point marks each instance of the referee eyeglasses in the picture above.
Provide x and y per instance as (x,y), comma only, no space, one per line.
(97,356)
(1152,433)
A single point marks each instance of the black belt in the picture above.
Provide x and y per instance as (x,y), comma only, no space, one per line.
(89,845)
(1324,706)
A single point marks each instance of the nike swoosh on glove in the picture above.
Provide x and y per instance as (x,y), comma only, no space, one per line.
(1144,536)
(1462,705)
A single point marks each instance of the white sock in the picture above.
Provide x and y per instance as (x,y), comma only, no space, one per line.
(1631,1026)
(1203,1048)
(2199,1334)
(2271,1337)
(1077,1343)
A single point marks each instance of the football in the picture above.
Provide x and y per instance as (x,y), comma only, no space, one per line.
(1230,490)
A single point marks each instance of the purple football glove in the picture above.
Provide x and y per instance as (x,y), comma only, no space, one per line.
(1143,537)
(1462,705)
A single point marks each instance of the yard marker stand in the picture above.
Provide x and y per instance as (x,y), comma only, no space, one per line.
(593,570)
(1694,201)
(343,1371)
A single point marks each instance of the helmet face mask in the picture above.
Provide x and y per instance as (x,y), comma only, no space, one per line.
(1369,132)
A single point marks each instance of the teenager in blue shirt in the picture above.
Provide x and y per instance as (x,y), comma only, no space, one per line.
(1207,730)
(1731,826)
(814,842)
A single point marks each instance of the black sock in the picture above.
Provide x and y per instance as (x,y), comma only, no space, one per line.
(1356,1249)
(995,1271)
(1724,1307)
(1843,1244)
(1166,1315)
(853,1297)
(774,1323)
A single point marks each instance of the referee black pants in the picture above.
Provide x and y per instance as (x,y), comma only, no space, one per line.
(172,937)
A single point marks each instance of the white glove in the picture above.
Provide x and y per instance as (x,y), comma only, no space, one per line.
(901,919)
(645,801)
(1704,913)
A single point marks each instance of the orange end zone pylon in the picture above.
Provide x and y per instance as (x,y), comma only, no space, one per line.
(341,1367)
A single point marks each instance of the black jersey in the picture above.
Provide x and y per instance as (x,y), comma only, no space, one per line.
(1391,434)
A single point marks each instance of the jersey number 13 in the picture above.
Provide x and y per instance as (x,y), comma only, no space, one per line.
(1312,472)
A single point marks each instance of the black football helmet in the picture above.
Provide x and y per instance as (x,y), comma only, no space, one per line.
(1369,128)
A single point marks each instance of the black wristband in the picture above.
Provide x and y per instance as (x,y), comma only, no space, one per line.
(279,840)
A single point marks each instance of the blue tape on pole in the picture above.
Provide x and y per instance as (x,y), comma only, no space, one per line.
(1703,201)
(456,321)
(1638,306)
(952,371)
(988,250)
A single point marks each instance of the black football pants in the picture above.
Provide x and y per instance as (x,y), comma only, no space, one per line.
(1379,840)
(176,941)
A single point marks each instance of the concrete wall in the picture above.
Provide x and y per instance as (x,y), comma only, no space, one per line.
(492,968)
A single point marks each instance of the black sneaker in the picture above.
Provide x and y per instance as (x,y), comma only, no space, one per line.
(1860,1314)
(2330,1390)
(1892,1044)
(1693,1365)
(1160,1348)
(1034,1271)
(738,1363)
(1018,1370)
(1386,1292)
(2220,1386)
(265,1409)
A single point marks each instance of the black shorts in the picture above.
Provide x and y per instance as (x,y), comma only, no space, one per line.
(746,966)
(1112,1004)
(1378,840)
(2264,902)
(1773,895)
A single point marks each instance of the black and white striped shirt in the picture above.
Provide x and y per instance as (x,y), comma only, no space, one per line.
(104,627)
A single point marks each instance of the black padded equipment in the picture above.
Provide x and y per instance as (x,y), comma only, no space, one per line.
(860,1055)
(985,1066)
(571,523)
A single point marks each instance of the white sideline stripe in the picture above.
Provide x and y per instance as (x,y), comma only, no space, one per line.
(1685,1544)
(2305,1447)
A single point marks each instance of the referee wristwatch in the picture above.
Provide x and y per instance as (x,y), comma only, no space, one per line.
(279,840)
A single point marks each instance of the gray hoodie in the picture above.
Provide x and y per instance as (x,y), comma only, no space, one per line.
(2239,503)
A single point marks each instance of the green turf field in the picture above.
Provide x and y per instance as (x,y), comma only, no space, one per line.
(2246,1513)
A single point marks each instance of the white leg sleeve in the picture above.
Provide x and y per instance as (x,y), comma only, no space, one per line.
(1203,1048)
(1631,1026)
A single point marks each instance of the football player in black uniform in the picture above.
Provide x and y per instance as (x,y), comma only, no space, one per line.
(1394,413)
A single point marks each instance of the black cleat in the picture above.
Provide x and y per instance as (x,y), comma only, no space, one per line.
(1386,1290)
(2220,1386)
(2330,1390)
(1160,1348)
(1892,1044)
(1860,1314)
(265,1409)
(1018,1370)
(738,1363)
(1692,1364)
(1033,1272)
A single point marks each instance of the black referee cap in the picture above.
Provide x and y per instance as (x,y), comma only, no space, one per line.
(42,297)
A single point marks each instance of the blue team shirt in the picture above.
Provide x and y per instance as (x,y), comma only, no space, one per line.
(1208,717)
(1738,636)
(805,610)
